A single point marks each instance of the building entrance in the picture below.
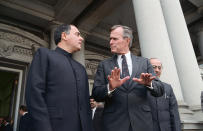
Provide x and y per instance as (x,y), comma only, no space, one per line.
(11,90)
(8,93)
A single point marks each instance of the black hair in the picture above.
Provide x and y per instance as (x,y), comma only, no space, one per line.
(59,30)
(23,108)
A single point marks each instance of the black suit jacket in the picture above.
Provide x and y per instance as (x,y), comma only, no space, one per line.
(128,104)
(165,111)
(97,119)
(8,127)
(57,93)
(24,124)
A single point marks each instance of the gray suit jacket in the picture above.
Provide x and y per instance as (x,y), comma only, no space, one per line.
(128,104)
(165,111)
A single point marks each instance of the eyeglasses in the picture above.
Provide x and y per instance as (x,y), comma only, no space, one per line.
(159,67)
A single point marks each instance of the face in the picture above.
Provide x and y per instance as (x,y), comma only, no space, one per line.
(118,44)
(21,112)
(93,103)
(157,66)
(74,39)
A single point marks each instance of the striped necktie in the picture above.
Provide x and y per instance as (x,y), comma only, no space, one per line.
(125,71)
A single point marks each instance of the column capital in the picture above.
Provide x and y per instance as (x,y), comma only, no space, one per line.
(52,25)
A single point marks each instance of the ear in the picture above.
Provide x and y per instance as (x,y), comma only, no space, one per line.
(128,41)
(63,36)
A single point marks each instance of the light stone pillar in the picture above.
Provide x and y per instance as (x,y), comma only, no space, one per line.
(80,55)
(183,52)
(154,40)
(52,42)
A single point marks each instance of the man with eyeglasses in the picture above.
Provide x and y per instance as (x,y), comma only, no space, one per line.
(164,109)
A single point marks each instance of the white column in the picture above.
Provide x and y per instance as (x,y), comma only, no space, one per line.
(200,41)
(80,55)
(183,52)
(154,40)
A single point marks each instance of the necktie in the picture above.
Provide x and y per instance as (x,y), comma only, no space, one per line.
(125,71)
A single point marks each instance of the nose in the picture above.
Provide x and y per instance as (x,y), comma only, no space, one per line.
(156,69)
(81,39)
(111,41)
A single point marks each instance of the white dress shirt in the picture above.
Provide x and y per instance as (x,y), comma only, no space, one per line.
(128,60)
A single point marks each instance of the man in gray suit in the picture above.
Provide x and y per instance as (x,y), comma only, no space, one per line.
(165,108)
(122,82)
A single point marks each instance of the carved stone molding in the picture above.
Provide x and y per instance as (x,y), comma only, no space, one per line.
(22,51)
(91,66)
(16,39)
(92,60)
(12,43)
(9,49)
(5,50)
(20,37)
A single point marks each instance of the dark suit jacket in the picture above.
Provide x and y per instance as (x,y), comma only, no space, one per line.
(165,111)
(8,127)
(97,119)
(24,124)
(128,104)
(57,93)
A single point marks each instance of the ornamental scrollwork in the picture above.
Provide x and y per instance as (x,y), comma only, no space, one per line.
(5,50)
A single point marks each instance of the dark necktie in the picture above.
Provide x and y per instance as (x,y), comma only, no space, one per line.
(125,71)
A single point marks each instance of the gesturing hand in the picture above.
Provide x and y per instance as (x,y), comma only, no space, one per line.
(114,79)
(145,79)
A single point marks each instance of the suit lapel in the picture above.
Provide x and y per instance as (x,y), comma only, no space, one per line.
(135,66)
(114,64)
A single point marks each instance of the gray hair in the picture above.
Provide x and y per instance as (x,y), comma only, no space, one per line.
(127,32)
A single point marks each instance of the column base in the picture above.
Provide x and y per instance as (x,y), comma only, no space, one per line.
(198,114)
(191,117)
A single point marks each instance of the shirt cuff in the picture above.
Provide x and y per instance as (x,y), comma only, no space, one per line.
(150,87)
(109,92)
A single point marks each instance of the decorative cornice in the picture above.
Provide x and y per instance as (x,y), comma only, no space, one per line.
(14,34)
(8,50)
(91,66)
(5,50)
(16,39)
(22,51)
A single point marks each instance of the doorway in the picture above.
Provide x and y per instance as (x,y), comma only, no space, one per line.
(10,93)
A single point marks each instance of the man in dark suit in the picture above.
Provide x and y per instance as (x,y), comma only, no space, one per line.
(24,124)
(97,110)
(126,104)
(57,92)
(165,108)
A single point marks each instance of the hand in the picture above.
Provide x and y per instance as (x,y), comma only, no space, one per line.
(114,79)
(145,79)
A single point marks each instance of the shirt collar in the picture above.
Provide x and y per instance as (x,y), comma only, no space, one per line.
(25,113)
(62,51)
(127,55)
